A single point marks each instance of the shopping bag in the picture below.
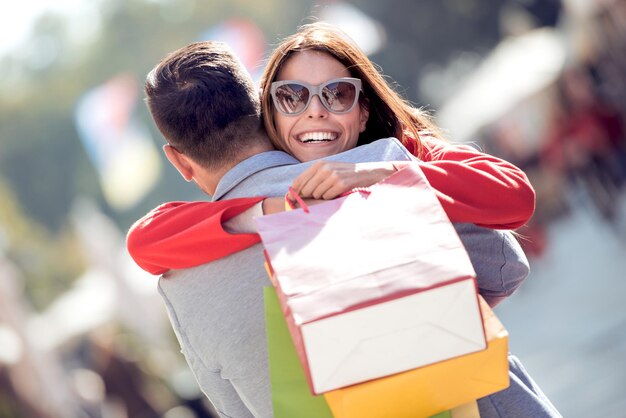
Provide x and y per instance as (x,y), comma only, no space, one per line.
(468,410)
(290,394)
(433,388)
(373,284)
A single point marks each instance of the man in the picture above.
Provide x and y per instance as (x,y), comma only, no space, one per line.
(206,106)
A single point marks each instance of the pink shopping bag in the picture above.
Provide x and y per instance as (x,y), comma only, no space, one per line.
(374,283)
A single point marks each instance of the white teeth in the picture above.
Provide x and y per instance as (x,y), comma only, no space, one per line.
(317,137)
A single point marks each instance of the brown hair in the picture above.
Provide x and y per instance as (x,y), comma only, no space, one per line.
(389,114)
(204,103)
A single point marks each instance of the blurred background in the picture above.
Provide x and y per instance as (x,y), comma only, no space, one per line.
(83,332)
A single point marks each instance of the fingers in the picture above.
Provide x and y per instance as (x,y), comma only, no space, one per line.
(301,181)
(325,180)
(329,188)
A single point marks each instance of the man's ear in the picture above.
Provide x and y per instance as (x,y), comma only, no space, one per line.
(180,161)
(364,115)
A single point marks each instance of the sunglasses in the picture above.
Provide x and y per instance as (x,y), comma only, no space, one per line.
(293,97)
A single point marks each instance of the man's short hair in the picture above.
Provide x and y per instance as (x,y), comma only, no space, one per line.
(204,102)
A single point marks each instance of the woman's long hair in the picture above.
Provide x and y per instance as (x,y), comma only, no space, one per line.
(389,114)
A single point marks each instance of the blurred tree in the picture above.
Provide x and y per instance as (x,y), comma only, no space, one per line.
(42,158)
(49,263)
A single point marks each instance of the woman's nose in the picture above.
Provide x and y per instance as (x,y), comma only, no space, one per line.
(316,109)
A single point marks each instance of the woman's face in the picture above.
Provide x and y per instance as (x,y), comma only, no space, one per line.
(317,132)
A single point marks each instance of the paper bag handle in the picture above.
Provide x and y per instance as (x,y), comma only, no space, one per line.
(292,199)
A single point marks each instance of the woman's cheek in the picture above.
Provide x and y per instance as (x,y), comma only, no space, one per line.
(282,130)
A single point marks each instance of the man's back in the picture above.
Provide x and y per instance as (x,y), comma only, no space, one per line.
(217,312)
(217,309)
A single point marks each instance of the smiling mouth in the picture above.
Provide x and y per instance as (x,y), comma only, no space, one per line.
(316,137)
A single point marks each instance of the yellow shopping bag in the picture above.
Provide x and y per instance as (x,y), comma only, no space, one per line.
(290,394)
(428,390)
(468,410)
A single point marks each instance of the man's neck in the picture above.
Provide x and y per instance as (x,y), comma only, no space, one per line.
(255,149)
(214,175)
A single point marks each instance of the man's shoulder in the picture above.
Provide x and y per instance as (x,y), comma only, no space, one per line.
(251,166)
(385,149)
(268,176)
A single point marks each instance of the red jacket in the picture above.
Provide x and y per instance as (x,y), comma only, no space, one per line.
(472,187)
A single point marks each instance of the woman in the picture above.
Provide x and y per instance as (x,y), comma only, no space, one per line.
(318,53)
(321,96)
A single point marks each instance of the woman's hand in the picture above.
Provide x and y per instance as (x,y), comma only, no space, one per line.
(277,204)
(327,180)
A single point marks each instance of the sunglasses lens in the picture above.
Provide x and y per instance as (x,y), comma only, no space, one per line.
(291,98)
(339,96)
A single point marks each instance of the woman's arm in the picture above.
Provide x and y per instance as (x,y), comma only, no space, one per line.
(472,187)
(186,234)
(179,235)
(476,187)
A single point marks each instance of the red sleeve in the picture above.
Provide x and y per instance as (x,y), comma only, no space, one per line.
(186,234)
(472,187)
(475,187)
